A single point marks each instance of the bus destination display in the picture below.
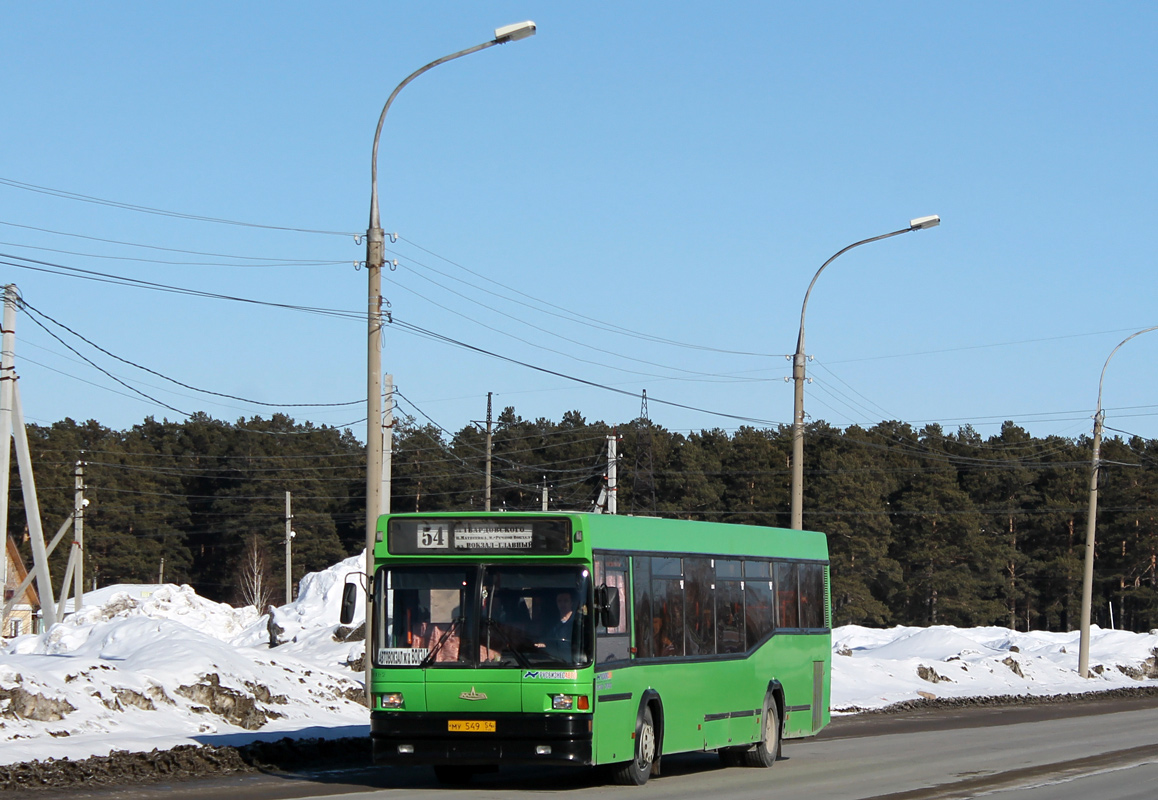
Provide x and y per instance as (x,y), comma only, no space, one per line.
(471,536)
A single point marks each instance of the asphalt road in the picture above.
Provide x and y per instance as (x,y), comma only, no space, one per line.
(1103,749)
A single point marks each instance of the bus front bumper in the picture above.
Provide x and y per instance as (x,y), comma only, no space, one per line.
(400,737)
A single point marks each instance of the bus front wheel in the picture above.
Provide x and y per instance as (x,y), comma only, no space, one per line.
(637,771)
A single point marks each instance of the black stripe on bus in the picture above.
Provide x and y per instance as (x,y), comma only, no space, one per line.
(728,715)
(610,698)
(799,708)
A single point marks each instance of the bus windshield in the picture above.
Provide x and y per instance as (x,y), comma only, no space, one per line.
(492,615)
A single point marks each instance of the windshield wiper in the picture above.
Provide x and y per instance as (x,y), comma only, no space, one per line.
(429,659)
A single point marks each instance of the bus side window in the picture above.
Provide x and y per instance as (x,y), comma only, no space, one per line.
(758,617)
(668,606)
(812,596)
(641,603)
(699,594)
(787,596)
(729,607)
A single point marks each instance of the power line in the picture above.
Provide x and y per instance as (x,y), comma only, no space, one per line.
(270,263)
(982,346)
(455,342)
(102,277)
(717,377)
(150,246)
(159,211)
(27,306)
(570,315)
(101,369)
(509,462)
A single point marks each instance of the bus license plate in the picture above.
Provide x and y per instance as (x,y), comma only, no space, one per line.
(471,726)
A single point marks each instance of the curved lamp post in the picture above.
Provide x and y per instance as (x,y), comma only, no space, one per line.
(919,224)
(374,260)
(1091,519)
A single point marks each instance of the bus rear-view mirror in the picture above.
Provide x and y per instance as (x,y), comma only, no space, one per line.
(349,601)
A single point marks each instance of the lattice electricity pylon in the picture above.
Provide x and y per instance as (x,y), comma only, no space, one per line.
(643,474)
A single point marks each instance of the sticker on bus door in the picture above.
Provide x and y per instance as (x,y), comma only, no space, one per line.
(401,656)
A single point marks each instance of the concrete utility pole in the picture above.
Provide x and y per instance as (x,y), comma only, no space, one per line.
(1091,519)
(387,445)
(78,537)
(7,391)
(544,492)
(921,223)
(14,436)
(612,474)
(487,489)
(375,257)
(289,555)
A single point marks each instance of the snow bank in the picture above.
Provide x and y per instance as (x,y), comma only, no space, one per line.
(874,668)
(156,666)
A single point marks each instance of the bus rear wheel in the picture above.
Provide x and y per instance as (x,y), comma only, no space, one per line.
(637,771)
(764,752)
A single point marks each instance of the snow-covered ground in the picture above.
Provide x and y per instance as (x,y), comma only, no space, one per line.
(874,668)
(143,667)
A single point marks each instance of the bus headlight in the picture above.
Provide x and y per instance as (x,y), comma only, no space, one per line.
(390,700)
(570,702)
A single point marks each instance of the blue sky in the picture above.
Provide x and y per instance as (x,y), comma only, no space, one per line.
(636,197)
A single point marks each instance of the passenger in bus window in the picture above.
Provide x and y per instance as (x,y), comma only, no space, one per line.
(663,642)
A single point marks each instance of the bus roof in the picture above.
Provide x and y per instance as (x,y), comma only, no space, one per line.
(655,534)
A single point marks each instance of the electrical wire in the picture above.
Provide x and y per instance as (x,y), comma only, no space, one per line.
(570,315)
(149,246)
(35,311)
(716,377)
(158,211)
(105,372)
(278,263)
(102,277)
(454,342)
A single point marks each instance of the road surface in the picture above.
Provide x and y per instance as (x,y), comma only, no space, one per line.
(1103,749)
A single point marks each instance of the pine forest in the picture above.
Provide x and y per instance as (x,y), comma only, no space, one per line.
(925,527)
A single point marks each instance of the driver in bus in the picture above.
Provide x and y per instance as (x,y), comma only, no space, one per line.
(560,632)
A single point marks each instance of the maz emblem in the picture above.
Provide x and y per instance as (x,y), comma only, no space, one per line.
(473,695)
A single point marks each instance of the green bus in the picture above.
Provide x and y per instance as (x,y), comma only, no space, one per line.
(591,639)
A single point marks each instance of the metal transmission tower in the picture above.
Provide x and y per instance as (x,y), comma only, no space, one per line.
(643,474)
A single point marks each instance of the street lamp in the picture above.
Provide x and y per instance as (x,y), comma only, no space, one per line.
(1091,519)
(374,259)
(919,224)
